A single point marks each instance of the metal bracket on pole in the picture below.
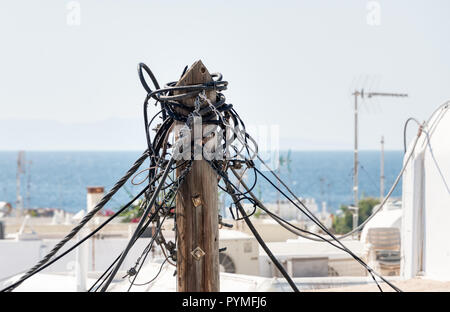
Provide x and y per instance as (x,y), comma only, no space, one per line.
(197,253)
(197,201)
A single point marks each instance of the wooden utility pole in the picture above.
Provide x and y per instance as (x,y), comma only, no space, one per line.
(197,212)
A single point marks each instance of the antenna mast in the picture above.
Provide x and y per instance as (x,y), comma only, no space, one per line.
(20,170)
(382,170)
(369,95)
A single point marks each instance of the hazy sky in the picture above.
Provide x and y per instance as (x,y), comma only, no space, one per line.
(292,64)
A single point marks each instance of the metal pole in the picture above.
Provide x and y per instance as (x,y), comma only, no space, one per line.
(355,218)
(20,170)
(355,164)
(28,184)
(382,170)
(355,160)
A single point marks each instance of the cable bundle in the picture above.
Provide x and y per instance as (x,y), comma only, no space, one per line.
(234,149)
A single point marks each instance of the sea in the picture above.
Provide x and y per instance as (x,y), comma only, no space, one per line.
(58,179)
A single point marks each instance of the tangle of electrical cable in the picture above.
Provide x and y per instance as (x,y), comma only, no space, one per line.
(234,149)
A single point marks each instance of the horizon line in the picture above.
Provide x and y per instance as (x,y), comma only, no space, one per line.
(136,150)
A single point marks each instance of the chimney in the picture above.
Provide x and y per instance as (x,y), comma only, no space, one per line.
(94,195)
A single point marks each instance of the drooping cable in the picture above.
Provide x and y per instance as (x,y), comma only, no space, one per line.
(48,263)
(141,223)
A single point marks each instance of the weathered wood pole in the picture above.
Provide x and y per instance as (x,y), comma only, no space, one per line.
(197,212)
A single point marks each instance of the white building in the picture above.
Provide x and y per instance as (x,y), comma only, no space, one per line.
(426,202)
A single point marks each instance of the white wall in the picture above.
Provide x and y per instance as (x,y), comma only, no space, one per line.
(412,227)
(16,257)
(426,203)
(437,202)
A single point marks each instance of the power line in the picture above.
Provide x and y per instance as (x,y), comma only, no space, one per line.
(164,159)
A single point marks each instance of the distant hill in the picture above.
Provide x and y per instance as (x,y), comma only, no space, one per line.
(128,134)
(110,134)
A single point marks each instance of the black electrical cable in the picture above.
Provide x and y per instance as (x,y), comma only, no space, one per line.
(343,248)
(42,267)
(280,221)
(155,95)
(103,275)
(119,184)
(157,274)
(147,251)
(150,245)
(83,222)
(312,217)
(168,103)
(226,118)
(117,259)
(263,244)
(178,183)
(118,262)
(318,223)
(141,223)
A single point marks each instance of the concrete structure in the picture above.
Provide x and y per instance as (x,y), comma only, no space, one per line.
(19,255)
(306,258)
(166,281)
(81,258)
(426,202)
(389,216)
(269,230)
(288,211)
(241,255)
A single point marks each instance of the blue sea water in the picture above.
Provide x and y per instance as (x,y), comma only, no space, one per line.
(59,179)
